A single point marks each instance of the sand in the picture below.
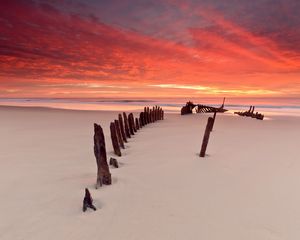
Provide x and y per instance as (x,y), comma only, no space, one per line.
(246,188)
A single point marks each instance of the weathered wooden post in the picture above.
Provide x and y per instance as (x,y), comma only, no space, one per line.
(214,118)
(133,123)
(122,128)
(114,139)
(137,125)
(145,116)
(131,128)
(103,174)
(142,119)
(140,122)
(162,114)
(148,115)
(119,135)
(206,136)
(126,125)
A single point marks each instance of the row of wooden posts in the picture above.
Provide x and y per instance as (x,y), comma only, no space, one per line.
(208,129)
(120,130)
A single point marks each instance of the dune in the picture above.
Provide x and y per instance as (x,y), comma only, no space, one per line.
(245,188)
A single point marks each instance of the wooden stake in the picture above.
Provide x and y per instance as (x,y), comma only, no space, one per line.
(206,136)
(119,135)
(122,128)
(126,125)
(137,125)
(114,139)
(103,174)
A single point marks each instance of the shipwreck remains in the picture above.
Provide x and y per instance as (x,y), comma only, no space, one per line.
(199,108)
(250,113)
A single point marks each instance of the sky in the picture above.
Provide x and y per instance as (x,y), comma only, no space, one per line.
(149,49)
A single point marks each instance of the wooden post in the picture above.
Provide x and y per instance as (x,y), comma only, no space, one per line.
(114,139)
(214,118)
(137,125)
(145,116)
(103,174)
(122,128)
(140,122)
(133,123)
(131,128)
(148,115)
(206,136)
(126,125)
(120,139)
(142,119)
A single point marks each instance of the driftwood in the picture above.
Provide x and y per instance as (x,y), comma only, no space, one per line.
(127,131)
(113,162)
(103,174)
(120,139)
(122,128)
(206,136)
(88,201)
(114,139)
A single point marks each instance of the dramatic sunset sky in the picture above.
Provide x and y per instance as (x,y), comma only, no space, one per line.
(147,49)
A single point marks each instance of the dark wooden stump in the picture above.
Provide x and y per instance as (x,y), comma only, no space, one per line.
(145,116)
(148,115)
(103,174)
(131,124)
(142,119)
(127,131)
(119,134)
(114,139)
(122,128)
(214,118)
(140,122)
(114,162)
(137,125)
(206,136)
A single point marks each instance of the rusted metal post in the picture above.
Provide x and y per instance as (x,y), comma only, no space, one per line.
(206,136)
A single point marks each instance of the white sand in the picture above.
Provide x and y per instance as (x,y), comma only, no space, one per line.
(247,188)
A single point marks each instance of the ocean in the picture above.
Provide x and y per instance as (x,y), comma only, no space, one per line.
(267,106)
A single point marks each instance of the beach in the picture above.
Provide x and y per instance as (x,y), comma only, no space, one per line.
(247,187)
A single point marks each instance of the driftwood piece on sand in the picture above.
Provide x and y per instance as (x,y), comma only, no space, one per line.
(119,134)
(103,174)
(114,162)
(206,136)
(114,139)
